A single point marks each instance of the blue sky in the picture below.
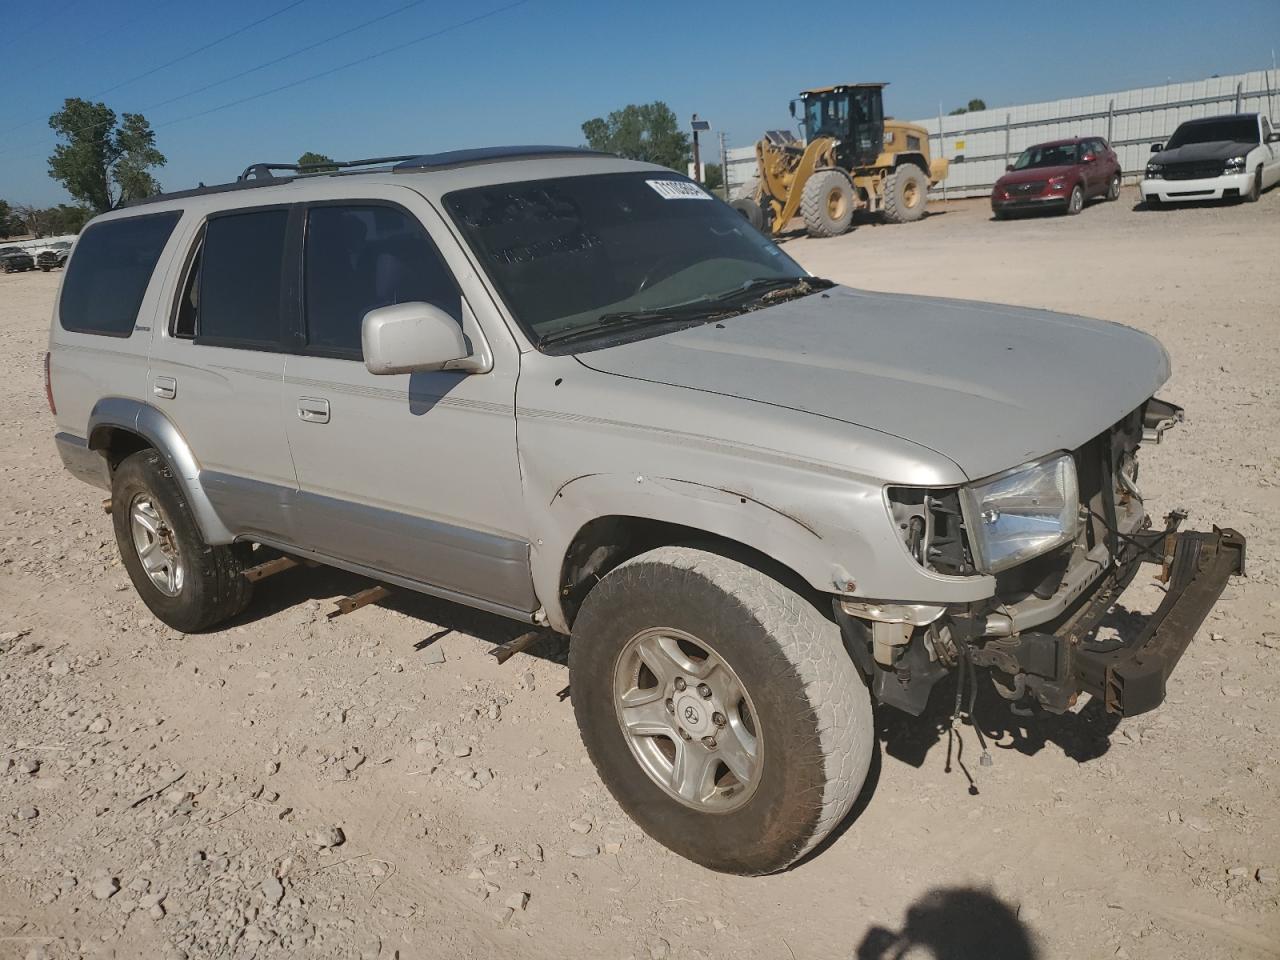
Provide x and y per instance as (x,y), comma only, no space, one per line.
(532,72)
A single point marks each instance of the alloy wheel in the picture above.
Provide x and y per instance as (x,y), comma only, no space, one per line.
(157,549)
(688,720)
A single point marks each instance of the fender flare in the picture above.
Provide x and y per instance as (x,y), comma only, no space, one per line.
(719,511)
(123,413)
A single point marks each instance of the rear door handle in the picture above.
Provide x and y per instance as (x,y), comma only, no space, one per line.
(313,410)
(166,388)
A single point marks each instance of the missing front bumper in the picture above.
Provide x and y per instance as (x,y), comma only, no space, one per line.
(1128,674)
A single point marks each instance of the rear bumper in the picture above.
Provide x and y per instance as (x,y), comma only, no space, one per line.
(1128,674)
(1210,188)
(81,462)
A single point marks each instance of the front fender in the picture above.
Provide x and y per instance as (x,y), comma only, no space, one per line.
(784,534)
(122,413)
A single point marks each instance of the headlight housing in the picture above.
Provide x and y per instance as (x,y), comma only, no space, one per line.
(1022,513)
(1057,183)
(1155,171)
(1234,165)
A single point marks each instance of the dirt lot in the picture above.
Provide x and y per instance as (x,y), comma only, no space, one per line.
(170,796)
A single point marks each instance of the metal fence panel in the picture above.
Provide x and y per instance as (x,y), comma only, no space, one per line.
(981,143)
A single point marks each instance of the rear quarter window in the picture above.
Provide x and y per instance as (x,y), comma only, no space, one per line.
(110,271)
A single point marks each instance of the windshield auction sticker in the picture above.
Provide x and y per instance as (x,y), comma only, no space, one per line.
(678,190)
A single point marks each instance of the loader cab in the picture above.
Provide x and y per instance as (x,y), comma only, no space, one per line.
(851,114)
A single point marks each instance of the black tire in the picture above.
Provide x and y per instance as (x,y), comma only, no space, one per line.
(1113,189)
(1255,189)
(212,588)
(750,210)
(810,707)
(1075,202)
(826,205)
(906,194)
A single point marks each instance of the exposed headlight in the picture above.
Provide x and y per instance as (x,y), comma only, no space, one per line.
(1022,513)
(1155,171)
(1235,165)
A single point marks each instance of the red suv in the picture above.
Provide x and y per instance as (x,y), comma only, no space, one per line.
(1060,175)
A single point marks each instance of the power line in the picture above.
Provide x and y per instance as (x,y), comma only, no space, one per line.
(190,53)
(201,49)
(386,51)
(349,64)
(280,59)
(40,20)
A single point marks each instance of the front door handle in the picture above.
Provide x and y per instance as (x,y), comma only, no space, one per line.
(313,410)
(166,388)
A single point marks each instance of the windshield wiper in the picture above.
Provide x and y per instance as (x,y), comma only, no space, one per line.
(624,319)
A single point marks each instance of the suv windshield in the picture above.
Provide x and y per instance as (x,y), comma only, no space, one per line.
(1229,129)
(571,253)
(1054,155)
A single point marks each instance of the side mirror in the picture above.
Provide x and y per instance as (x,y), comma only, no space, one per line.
(1273,136)
(792,107)
(411,338)
(1008,167)
(1157,147)
(1088,158)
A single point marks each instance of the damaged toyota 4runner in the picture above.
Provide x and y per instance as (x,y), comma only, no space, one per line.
(580,392)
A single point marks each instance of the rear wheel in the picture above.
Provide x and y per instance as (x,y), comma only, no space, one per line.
(1075,202)
(906,194)
(720,709)
(827,203)
(1113,188)
(187,583)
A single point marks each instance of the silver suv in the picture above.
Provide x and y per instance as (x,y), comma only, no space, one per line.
(580,392)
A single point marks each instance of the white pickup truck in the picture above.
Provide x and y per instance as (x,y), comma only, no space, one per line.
(1214,158)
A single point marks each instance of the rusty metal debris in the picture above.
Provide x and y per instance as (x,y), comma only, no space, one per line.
(270,568)
(505,651)
(358,600)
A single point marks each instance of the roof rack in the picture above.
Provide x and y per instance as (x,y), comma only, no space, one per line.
(264,174)
(462,158)
(264,171)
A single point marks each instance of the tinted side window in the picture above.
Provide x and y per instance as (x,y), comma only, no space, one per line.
(241,271)
(110,272)
(362,257)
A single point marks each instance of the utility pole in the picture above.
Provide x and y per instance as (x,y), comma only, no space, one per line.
(698,126)
(724,166)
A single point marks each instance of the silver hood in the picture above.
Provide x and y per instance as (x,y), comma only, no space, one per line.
(987,386)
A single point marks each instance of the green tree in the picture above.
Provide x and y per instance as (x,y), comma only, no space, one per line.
(648,132)
(9,224)
(104,161)
(712,177)
(317,161)
(974,106)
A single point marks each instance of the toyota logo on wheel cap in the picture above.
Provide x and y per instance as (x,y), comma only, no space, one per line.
(691,714)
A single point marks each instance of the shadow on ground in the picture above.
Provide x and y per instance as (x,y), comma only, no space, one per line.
(953,923)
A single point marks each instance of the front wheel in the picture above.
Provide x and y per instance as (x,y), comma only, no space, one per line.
(826,204)
(719,708)
(187,583)
(1075,203)
(1255,189)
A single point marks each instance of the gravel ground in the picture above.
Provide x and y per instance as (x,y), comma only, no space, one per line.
(376,786)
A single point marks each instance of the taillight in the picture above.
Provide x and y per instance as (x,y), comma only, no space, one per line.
(48,387)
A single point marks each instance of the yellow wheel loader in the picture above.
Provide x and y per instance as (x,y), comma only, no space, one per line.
(852,158)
